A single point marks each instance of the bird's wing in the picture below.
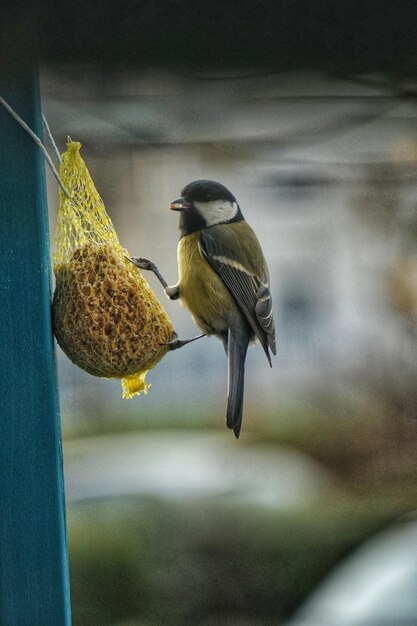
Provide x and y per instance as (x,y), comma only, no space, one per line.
(250,291)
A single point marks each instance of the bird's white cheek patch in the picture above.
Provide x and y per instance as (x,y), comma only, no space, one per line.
(217,211)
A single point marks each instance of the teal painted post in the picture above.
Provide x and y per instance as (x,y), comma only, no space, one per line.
(34,587)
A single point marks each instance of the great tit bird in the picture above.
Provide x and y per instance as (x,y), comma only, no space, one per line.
(223,280)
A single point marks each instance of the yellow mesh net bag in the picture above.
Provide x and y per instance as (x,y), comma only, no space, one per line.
(106,318)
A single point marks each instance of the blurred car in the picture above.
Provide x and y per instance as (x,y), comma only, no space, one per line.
(375,586)
(190,465)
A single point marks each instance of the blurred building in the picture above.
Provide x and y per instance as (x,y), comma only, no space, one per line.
(307,158)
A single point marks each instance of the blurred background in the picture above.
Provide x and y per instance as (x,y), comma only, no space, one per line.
(172,521)
(309,116)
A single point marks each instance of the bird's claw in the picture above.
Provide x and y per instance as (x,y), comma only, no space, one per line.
(175,343)
(143,264)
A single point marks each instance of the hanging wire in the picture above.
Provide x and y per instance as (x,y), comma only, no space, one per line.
(38,143)
(51,139)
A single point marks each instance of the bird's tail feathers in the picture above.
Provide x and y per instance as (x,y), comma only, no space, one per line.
(237,348)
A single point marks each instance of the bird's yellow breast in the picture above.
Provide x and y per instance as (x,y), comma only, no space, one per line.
(202,291)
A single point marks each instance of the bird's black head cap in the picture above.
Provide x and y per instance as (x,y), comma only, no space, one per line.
(205,203)
(206,191)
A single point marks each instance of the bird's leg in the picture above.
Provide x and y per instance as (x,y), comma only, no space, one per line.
(179,343)
(172,293)
(144,264)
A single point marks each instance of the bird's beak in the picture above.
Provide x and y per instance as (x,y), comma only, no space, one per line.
(179,205)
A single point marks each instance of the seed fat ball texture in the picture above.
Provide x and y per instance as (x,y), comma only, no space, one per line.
(105,316)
